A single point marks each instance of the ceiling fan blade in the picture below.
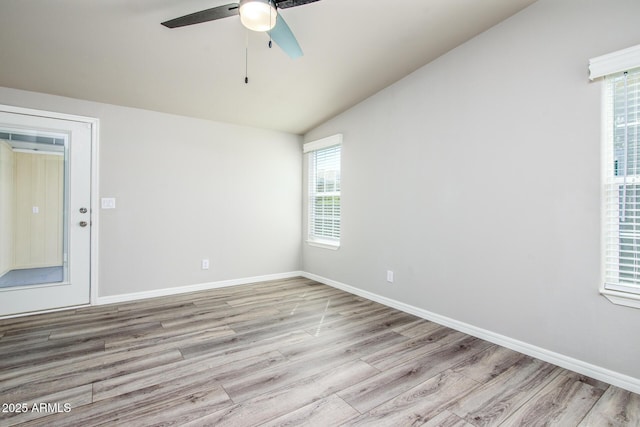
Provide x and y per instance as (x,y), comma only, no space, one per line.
(282,35)
(203,16)
(284,4)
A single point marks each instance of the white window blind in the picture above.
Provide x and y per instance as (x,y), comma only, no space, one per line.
(622,182)
(615,62)
(324,190)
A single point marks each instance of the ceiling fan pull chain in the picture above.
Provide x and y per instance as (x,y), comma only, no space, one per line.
(270,26)
(246,65)
(246,59)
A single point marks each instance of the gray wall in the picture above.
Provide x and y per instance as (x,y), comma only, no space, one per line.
(477,181)
(187,189)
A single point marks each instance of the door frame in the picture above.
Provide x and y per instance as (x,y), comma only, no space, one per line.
(94,124)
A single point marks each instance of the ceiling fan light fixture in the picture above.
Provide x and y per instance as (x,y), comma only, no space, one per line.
(258,15)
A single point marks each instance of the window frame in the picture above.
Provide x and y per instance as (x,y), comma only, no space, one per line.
(612,65)
(310,149)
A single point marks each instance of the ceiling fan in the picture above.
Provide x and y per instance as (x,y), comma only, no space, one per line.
(256,15)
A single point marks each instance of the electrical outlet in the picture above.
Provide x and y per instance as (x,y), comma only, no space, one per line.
(205,264)
(389,276)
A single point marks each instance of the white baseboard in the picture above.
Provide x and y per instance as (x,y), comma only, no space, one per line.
(193,288)
(615,378)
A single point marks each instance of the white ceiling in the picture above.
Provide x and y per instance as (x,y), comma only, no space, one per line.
(116,51)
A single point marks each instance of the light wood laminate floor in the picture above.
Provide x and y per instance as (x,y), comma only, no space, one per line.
(281,353)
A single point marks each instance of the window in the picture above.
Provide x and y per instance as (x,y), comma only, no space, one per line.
(621,177)
(324,191)
(622,183)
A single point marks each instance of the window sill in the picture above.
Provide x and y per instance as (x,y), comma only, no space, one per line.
(324,244)
(621,298)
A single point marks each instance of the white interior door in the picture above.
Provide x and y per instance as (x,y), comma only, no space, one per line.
(45,212)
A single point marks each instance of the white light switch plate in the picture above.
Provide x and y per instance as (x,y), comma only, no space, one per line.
(108,202)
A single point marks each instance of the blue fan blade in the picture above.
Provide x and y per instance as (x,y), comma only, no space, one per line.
(282,35)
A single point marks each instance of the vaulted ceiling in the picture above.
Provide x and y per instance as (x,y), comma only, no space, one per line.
(116,51)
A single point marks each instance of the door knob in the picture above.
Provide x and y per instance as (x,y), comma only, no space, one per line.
(83,210)
(83,223)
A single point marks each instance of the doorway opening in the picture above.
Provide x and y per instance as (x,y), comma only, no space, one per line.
(48,172)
